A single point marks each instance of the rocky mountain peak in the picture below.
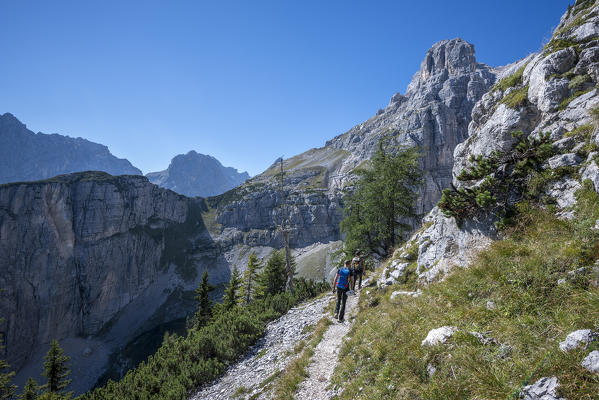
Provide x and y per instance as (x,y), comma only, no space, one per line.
(195,174)
(9,120)
(444,60)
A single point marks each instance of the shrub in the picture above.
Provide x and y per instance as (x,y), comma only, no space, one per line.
(505,175)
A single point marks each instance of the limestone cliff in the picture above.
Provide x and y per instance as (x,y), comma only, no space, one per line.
(93,260)
(28,156)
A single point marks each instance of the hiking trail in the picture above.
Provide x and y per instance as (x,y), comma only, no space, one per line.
(255,375)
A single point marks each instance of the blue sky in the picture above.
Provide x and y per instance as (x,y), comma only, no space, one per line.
(244,81)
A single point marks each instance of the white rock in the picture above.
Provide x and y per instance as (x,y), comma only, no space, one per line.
(586,31)
(591,172)
(430,369)
(490,305)
(564,143)
(543,389)
(591,362)
(398,293)
(581,337)
(564,160)
(439,335)
(564,192)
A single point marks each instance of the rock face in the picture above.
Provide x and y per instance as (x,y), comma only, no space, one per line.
(93,256)
(543,389)
(434,113)
(558,91)
(28,156)
(194,174)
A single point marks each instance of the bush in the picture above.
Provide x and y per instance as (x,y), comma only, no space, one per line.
(505,175)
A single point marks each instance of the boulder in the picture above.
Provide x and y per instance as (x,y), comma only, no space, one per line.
(591,362)
(439,335)
(543,389)
(581,337)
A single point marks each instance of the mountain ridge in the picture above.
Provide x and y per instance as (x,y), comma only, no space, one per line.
(27,156)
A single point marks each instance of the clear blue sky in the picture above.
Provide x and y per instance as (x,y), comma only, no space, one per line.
(244,81)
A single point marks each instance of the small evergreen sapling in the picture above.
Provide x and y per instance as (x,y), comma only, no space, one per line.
(31,390)
(231,296)
(56,369)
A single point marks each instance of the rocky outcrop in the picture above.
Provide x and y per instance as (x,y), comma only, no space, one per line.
(194,174)
(28,156)
(93,260)
(433,114)
(552,92)
(543,389)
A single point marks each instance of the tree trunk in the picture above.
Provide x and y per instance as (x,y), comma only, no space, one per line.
(290,269)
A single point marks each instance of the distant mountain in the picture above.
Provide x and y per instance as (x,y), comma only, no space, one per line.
(28,156)
(195,174)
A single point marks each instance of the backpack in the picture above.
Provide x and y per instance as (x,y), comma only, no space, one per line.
(357,264)
(343,279)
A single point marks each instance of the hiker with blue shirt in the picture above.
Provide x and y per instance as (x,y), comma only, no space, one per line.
(343,282)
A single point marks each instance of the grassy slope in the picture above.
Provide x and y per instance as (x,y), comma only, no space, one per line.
(532,315)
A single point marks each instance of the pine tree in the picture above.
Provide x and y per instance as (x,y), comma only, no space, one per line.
(249,277)
(383,195)
(31,390)
(56,369)
(231,296)
(204,312)
(273,278)
(7,390)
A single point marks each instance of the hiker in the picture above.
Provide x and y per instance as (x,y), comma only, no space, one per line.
(357,265)
(343,281)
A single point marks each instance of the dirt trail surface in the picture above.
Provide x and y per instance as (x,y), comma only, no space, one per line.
(269,355)
(326,357)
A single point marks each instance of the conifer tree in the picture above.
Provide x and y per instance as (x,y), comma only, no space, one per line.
(31,390)
(56,369)
(202,296)
(384,194)
(249,277)
(273,278)
(231,296)
(7,390)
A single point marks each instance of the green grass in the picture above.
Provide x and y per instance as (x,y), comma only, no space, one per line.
(594,113)
(578,80)
(296,372)
(560,44)
(516,98)
(582,132)
(510,81)
(533,313)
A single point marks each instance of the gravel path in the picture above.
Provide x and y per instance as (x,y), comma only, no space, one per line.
(269,355)
(326,357)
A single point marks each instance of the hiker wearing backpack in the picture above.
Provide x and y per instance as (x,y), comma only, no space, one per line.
(358,268)
(343,281)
